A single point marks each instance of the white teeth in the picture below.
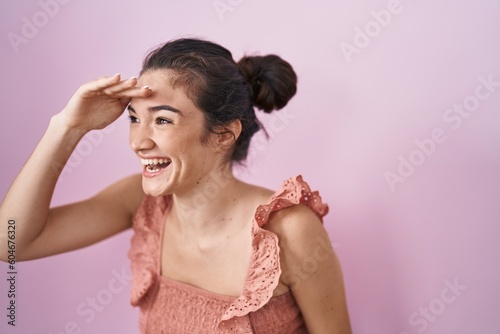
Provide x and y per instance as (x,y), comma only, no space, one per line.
(154,161)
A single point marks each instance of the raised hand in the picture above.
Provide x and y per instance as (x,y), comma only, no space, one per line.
(100,102)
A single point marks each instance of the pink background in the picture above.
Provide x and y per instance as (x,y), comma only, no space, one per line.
(346,128)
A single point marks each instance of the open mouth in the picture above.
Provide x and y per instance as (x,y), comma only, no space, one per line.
(155,165)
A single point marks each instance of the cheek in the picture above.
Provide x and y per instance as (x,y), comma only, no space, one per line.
(189,141)
(193,153)
(189,151)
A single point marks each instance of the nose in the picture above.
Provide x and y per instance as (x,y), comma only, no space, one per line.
(140,139)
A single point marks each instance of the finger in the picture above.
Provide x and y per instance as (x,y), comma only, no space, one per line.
(102,83)
(120,86)
(144,91)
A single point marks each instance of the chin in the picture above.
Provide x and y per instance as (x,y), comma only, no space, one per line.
(155,188)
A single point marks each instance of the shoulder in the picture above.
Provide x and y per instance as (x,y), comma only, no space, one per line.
(295,223)
(309,265)
(298,228)
(295,213)
(304,242)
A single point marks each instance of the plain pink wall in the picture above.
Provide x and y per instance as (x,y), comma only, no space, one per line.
(368,92)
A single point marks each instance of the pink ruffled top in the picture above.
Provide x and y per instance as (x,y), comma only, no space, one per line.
(173,307)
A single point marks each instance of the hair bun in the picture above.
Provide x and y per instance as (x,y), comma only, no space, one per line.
(272,79)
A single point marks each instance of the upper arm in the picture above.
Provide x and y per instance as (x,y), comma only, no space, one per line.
(312,270)
(81,224)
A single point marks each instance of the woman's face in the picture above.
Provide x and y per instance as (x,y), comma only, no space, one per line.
(166,133)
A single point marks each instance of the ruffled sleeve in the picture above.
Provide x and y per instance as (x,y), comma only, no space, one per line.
(265,270)
(145,245)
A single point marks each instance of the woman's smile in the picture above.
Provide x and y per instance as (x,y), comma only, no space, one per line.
(154,166)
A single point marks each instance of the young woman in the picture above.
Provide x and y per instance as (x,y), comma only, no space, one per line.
(210,253)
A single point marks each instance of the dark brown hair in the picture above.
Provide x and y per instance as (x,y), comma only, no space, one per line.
(224,90)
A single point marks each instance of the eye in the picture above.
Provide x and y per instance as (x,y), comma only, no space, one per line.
(133,119)
(161,120)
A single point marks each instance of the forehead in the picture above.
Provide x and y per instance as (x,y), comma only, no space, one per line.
(164,93)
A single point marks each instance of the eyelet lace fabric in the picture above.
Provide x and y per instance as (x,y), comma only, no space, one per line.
(169,306)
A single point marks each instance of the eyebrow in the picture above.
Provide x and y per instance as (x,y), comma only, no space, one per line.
(157,108)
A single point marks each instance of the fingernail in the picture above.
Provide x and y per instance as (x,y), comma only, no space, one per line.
(146,87)
(117,74)
(132,78)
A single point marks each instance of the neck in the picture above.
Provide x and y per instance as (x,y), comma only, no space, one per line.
(203,210)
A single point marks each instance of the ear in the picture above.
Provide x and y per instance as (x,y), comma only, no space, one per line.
(228,134)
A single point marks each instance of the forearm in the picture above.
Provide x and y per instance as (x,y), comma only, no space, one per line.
(28,200)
